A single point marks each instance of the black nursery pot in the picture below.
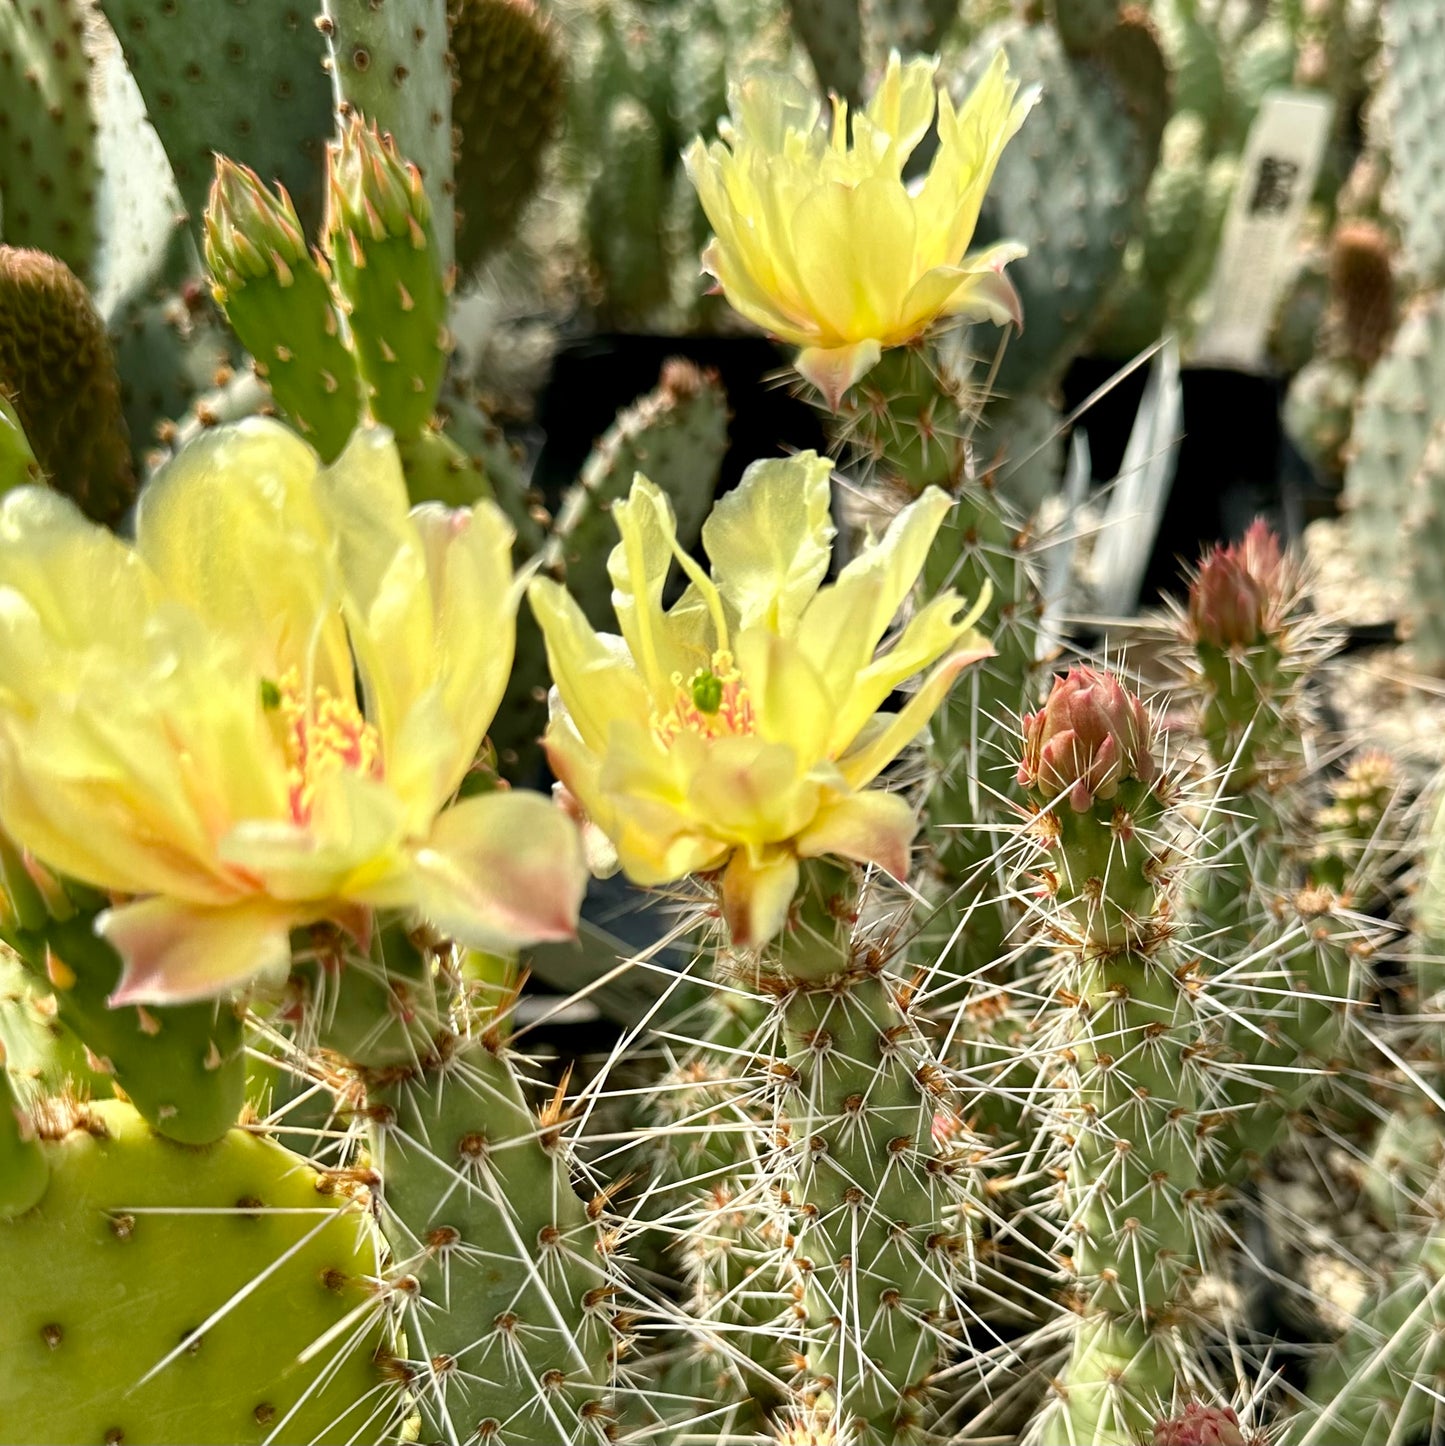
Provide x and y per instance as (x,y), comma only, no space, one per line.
(594,378)
(1234,462)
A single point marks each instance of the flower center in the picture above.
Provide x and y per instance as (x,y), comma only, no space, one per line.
(322,736)
(713,703)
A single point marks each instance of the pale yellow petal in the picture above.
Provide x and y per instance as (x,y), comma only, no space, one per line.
(350,845)
(845,622)
(885,742)
(871,827)
(469,568)
(639,566)
(937,628)
(386,591)
(593,672)
(500,870)
(854,248)
(770,540)
(751,791)
(902,105)
(174,952)
(790,702)
(83,585)
(232,528)
(757,895)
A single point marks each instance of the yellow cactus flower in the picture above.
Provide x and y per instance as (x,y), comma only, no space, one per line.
(180,724)
(821,241)
(740,728)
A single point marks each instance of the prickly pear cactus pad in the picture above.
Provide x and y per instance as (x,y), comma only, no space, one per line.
(159,1293)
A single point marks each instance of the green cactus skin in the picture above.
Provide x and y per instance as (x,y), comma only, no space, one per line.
(1382,1383)
(1319,411)
(1073,183)
(390,65)
(1083,25)
(624,214)
(1397,410)
(831,31)
(880,1216)
(676,436)
(58,371)
(438,470)
(278,301)
(509,1273)
(131,1255)
(1193,51)
(911,27)
(1424,536)
(1414,75)
(507,110)
(24,1170)
(1264,61)
(472,1179)
(49,173)
(17,462)
(182,1065)
(971,743)
(1130,1109)
(42,1057)
(385,253)
(239,78)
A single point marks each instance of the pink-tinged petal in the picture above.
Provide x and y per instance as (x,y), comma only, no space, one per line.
(500,870)
(756,897)
(834,369)
(988,295)
(869,828)
(174,952)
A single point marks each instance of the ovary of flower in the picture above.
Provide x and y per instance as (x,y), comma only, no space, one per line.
(818,238)
(258,716)
(322,736)
(739,730)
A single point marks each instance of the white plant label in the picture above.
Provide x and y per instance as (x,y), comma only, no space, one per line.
(1277,176)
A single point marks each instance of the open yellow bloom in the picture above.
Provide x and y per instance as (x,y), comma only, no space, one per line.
(823,244)
(741,727)
(180,723)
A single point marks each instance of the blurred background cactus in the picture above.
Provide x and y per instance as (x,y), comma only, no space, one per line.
(1118,1118)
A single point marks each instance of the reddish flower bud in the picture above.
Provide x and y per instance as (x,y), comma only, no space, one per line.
(1238,591)
(1089,736)
(1200,1425)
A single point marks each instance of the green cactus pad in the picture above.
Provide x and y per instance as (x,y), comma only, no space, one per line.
(1084,25)
(236,1253)
(24,1170)
(831,31)
(624,214)
(48,170)
(390,63)
(182,1064)
(1319,411)
(1397,410)
(242,78)
(1072,185)
(387,261)
(279,303)
(516,1287)
(57,369)
(506,110)
(1414,77)
(17,461)
(676,436)
(1424,538)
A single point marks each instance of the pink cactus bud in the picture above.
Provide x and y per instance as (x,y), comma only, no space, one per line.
(1239,590)
(1089,736)
(1200,1425)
